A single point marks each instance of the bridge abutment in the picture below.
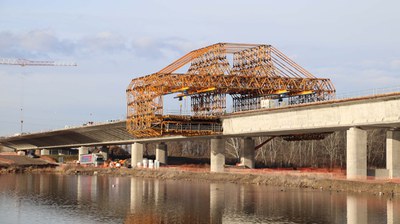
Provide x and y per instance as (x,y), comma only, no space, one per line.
(162,153)
(217,156)
(393,153)
(248,154)
(356,151)
(136,153)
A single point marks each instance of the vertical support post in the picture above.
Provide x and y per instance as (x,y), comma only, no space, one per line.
(393,153)
(136,153)
(162,153)
(82,150)
(44,152)
(217,154)
(356,153)
(248,154)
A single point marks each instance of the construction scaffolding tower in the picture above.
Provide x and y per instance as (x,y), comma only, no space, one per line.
(257,72)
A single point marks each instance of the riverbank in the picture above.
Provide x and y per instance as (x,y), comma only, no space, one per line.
(285,179)
(306,178)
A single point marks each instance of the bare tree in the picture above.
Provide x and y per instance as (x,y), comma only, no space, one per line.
(233,148)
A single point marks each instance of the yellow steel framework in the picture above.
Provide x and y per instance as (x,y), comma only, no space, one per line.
(256,71)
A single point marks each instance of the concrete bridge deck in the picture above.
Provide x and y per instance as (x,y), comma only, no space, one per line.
(380,111)
(354,115)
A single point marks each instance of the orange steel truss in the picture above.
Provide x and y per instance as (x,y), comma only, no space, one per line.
(256,72)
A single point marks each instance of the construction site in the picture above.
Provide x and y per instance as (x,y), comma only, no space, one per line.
(252,76)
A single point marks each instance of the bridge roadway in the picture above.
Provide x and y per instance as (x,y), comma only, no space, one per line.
(354,115)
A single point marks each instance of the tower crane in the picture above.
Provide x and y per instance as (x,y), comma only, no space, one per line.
(25,62)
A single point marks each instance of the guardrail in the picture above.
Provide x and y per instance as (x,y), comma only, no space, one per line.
(367,92)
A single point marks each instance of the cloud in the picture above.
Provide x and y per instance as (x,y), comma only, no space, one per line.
(46,44)
(103,42)
(171,47)
(395,64)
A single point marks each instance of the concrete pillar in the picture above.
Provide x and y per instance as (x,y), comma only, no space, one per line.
(83,150)
(356,153)
(356,210)
(393,153)
(217,155)
(136,153)
(248,154)
(162,153)
(44,152)
(21,152)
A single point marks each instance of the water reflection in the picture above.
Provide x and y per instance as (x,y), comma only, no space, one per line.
(94,199)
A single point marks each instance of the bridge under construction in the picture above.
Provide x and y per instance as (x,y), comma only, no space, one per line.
(250,73)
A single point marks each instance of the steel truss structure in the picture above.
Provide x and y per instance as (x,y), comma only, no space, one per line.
(255,72)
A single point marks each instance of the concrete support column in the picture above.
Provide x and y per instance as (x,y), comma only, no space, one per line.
(44,152)
(393,153)
(83,150)
(356,153)
(248,154)
(217,154)
(136,153)
(162,153)
(356,210)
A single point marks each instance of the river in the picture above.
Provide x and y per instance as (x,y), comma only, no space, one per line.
(51,198)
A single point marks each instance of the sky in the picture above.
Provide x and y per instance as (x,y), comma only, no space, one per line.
(354,43)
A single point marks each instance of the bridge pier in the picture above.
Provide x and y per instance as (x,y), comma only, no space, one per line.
(356,151)
(393,153)
(44,152)
(248,154)
(83,150)
(217,156)
(136,153)
(162,153)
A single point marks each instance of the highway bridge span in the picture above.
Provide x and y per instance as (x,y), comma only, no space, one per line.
(354,115)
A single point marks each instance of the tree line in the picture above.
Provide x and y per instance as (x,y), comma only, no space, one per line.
(329,152)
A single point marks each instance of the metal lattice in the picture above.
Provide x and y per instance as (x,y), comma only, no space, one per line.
(257,72)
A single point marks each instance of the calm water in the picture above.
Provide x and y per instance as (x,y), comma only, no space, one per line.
(50,198)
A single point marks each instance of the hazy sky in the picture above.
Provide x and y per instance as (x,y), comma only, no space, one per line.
(355,43)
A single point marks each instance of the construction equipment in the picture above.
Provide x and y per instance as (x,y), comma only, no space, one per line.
(255,72)
(25,62)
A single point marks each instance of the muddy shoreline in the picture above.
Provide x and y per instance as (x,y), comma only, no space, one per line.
(327,182)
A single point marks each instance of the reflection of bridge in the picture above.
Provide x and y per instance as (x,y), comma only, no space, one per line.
(354,115)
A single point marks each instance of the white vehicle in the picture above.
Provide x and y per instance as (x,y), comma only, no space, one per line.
(93,158)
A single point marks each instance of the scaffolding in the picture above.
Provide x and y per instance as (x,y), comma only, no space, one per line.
(256,72)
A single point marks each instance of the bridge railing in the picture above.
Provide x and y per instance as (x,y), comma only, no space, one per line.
(368,92)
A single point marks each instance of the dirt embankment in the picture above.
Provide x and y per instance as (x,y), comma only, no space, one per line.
(334,181)
(278,178)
